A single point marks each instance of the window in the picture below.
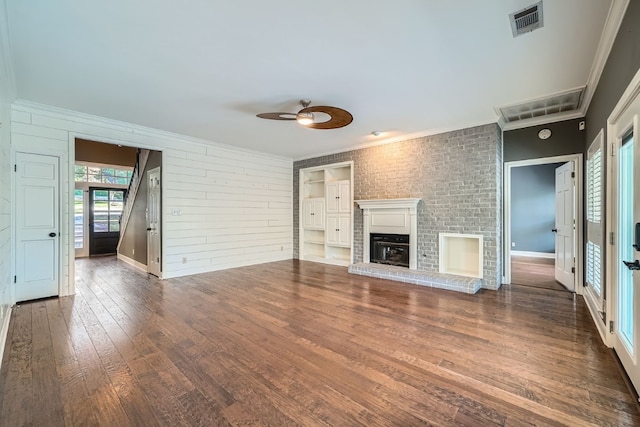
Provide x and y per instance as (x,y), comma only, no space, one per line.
(102,175)
(107,210)
(78,219)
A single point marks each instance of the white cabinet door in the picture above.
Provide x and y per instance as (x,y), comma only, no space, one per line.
(318,213)
(338,197)
(313,213)
(307,214)
(344,227)
(338,230)
(332,196)
(344,197)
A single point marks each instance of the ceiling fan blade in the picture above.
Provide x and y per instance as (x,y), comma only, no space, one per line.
(277,116)
(339,117)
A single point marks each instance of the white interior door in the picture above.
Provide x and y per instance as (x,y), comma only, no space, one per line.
(37,226)
(153,222)
(565,226)
(626,274)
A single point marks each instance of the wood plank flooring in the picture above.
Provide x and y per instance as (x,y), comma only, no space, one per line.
(534,272)
(299,343)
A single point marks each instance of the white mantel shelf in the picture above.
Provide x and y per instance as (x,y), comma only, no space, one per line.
(392,216)
(388,203)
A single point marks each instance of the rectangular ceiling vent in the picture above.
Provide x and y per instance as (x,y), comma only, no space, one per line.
(564,102)
(527,19)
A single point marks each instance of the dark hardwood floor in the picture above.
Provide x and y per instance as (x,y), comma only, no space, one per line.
(299,343)
(535,272)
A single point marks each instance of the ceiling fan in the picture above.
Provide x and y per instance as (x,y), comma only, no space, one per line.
(337,116)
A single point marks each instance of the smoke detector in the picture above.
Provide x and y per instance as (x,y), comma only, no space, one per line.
(526,20)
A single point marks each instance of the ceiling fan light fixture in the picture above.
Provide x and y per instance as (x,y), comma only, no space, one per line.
(305,119)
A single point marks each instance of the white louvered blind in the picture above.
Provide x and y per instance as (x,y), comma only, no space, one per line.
(594,187)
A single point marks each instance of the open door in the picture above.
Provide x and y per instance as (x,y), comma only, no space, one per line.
(153,222)
(625,276)
(565,226)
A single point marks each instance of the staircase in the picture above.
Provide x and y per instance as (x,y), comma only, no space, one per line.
(142,156)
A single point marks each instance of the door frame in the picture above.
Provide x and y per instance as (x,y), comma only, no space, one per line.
(611,145)
(578,211)
(146,176)
(67,217)
(64,231)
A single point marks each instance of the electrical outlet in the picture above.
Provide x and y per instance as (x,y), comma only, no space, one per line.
(184,260)
(133,251)
(513,244)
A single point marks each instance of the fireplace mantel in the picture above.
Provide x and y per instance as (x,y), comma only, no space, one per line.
(391,216)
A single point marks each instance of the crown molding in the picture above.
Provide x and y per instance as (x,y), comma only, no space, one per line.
(104,122)
(7,74)
(608,37)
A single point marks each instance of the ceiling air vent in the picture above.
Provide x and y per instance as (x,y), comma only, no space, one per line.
(557,104)
(527,19)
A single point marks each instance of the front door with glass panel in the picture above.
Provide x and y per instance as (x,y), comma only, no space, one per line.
(104,220)
(626,274)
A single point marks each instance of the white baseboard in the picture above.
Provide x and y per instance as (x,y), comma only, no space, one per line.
(534,254)
(140,266)
(3,332)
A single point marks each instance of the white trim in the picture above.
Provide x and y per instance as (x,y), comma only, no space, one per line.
(8,83)
(628,96)
(398,138)
(4,332)
(406,207)
(529,254)
(389,203)
(125,127)
(579,213)
(443,265)
(608,37)
(140,266)
(613,141)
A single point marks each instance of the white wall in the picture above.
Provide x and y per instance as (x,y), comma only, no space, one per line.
(7,91)
(235,205)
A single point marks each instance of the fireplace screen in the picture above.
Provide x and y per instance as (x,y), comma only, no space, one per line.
(392,249)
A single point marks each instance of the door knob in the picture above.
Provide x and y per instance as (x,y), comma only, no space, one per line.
(555,230)
(52,234)
(149,229)
(635,265)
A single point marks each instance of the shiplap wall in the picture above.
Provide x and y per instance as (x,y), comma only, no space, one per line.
(6,281)
(7,94)
(223,207)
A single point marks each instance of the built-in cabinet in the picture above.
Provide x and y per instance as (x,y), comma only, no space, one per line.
(326,213)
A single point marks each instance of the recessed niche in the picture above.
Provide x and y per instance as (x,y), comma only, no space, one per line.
(461,254)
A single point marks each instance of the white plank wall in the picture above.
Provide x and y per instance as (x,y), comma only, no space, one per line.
(6,282)
(223,207)
(7,93)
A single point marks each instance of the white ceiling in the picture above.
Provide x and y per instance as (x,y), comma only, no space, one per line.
(205,68)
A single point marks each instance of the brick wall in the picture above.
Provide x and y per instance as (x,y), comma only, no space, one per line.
(457,174)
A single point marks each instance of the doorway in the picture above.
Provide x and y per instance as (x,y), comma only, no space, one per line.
(624,225)
(543,238)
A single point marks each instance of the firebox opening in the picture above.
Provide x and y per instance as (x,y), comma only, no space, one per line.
(391,249)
